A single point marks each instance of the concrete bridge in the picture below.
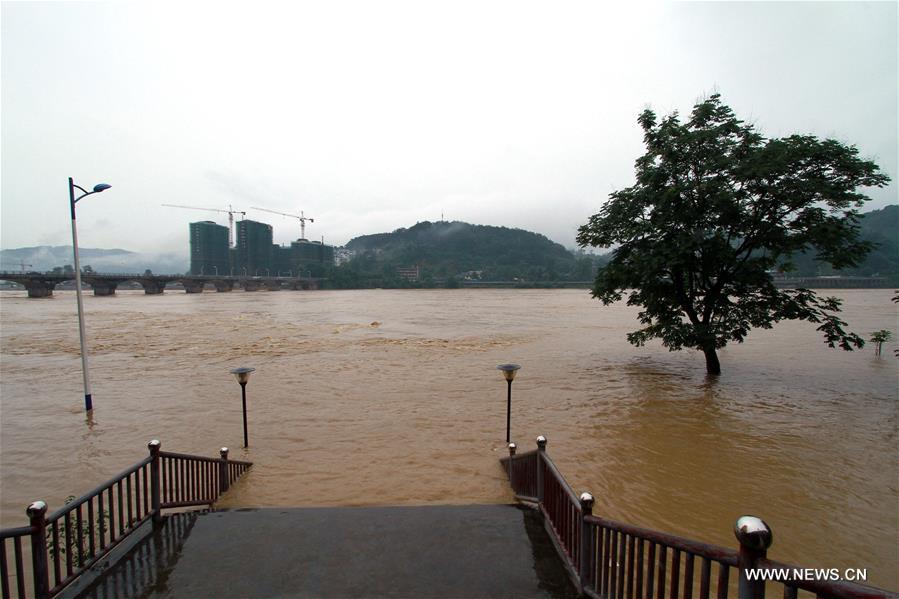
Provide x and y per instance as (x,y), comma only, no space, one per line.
(41,284)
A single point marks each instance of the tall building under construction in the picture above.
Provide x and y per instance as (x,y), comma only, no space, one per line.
(253,256)
(300,255)
(209,249)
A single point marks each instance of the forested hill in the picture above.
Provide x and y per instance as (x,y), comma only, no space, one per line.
(453,250)
(446,249)
(880,227)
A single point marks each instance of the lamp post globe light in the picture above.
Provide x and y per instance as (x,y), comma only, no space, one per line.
(509,374)
(243,375)
(88,399)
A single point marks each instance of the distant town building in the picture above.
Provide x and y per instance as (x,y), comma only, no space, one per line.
(296,258)
(208,248)
(254,254)
(254,249)
(410,274)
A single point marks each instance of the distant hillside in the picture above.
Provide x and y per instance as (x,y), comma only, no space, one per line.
(46,257)
(448,249)
(880,227)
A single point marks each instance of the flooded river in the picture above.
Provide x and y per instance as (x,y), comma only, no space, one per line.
(392,398)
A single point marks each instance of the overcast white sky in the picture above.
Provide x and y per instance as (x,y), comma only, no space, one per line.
(370,116)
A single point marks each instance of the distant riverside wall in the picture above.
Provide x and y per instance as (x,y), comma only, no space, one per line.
(837,282)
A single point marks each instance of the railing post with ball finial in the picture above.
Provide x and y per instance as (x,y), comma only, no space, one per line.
(541,451)
(755,538)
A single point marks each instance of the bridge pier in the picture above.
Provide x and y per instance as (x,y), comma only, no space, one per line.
(250,285)
(273,285)
(104,287)
(152,287)
(192,286)
(223,286)
(39,288)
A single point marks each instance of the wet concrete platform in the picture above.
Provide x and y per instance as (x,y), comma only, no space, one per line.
(428,551)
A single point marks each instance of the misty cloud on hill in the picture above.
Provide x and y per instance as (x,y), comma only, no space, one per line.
(45,257)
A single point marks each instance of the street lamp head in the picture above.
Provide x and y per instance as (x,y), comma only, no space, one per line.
(101,187)
(242,374)
(508,370)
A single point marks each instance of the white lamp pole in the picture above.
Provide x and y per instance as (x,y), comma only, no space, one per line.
(88,401)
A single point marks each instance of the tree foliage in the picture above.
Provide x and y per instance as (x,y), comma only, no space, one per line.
(878,338)
(715,208)
(878,227)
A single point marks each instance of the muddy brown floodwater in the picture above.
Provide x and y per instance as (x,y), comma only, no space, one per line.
(392,398)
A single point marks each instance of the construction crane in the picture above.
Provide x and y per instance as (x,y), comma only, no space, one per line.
(231,212)
(24,265)
(302,218)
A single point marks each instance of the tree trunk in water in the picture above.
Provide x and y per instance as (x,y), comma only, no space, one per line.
(712,365)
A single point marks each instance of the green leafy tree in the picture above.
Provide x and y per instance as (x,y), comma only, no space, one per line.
(715,207)
(878,338)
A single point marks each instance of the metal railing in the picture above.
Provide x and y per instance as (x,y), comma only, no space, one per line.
(69,541)
(630,559)
(15,535)
(522,473)
(189,480)
(560,508)
(611,560)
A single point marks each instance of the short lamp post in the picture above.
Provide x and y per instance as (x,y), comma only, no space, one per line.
(88,399)
(243,375)
(509,374)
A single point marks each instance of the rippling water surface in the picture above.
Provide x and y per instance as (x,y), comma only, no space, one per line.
(392,397)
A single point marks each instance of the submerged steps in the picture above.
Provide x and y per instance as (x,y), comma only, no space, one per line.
(416,551)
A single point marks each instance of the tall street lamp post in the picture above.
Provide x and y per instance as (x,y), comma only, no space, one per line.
(243,375)
(509,374)
(88,400)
